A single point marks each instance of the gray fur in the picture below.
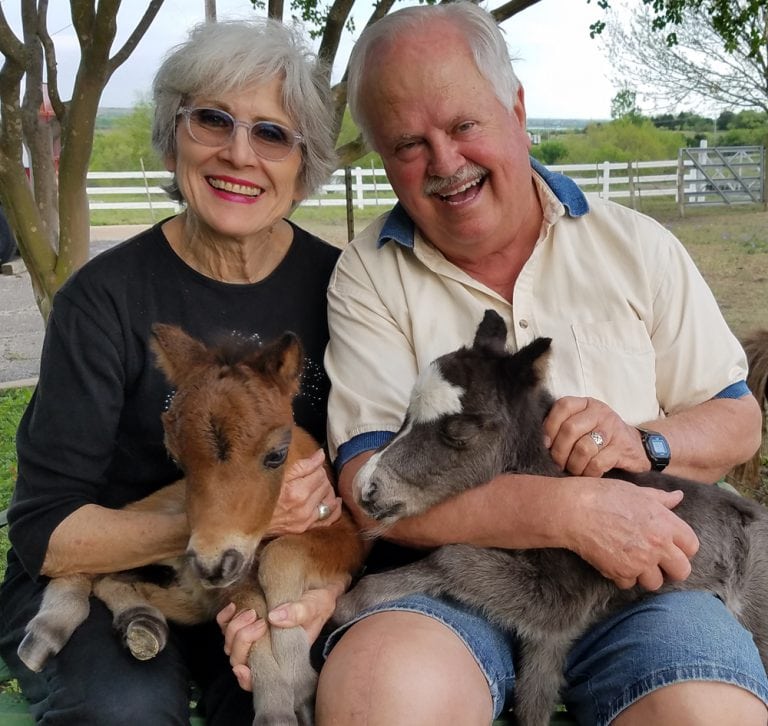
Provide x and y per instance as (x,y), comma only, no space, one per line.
(548,597)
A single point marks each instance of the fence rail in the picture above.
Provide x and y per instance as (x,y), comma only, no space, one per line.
(674,178)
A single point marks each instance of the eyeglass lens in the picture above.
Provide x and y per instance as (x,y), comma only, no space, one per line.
(214,127)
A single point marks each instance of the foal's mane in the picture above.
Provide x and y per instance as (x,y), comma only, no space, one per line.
(232,351)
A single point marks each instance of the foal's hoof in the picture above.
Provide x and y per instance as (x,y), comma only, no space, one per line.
(35,650)
(145,638)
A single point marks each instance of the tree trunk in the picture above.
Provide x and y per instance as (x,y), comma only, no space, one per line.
(48,210)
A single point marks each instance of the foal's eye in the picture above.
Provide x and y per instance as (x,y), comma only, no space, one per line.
(458,431)
(275,458)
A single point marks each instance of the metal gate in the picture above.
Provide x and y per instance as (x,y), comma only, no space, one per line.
(721,175)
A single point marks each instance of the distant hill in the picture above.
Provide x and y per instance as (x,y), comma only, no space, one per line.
(560,124)
(106,116)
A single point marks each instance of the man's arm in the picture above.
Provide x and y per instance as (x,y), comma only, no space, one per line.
(709,439)
(706,440)
(628,533)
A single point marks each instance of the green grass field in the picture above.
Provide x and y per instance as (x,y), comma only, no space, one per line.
(12,404)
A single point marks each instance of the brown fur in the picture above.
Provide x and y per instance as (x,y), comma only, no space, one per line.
(747,475)
(230,427)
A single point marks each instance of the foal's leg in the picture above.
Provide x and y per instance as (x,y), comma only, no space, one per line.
(282,574)
(540,676)
(142,627)
(289,566)
(273,702)
(64,607)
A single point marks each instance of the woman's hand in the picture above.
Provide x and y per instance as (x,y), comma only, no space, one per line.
(306,487)
(241,630)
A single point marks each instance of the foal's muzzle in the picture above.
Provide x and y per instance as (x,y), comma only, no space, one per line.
(222,572)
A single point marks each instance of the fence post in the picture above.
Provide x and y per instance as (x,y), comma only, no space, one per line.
(680,183)
(350,210)
(631,182)
(606,180)
(146,189)
(375,184)
(359,188)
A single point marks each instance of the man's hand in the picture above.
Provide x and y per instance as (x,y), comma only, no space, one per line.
(242,629)
(587,438)
(630,535)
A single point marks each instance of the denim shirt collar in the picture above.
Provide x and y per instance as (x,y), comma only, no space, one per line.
(400,228)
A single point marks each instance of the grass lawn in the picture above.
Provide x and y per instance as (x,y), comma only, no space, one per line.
(12,404)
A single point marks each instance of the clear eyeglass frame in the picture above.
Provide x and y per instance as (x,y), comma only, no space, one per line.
(272,141)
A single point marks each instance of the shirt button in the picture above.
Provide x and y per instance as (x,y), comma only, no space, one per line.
(523,324)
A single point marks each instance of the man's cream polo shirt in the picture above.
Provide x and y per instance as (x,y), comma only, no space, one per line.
(632,321)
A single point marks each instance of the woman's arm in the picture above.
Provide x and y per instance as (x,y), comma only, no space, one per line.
(95,539)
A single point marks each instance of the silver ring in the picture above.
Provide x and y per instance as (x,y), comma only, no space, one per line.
(597,437)
(323,511)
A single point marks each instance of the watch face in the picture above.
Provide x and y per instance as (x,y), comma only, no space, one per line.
(658,446)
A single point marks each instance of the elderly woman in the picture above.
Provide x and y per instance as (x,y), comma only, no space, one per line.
(243,123)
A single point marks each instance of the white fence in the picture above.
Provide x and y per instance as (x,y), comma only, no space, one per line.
(369,187)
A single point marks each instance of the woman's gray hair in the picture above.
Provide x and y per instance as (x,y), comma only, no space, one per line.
(232,55)
(479,28)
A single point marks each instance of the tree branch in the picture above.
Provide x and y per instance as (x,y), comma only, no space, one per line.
(334,27)
(83,14)
(275,9)
(697,67)
(52,73)
(351,151)
(133,40)
(513,7)
(10,46)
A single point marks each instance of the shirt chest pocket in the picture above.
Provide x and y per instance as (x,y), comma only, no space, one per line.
(613,361)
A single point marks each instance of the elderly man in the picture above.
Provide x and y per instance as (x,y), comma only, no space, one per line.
(638,342)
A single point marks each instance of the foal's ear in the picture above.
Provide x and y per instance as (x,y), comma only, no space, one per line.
(533,359)
(175,350)
(491,333)
(282,361)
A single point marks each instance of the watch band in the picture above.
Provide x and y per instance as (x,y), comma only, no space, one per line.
(656,448)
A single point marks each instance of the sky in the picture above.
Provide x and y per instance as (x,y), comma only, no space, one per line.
(563,71)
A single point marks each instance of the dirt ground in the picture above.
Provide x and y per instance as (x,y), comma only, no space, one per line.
(730,247)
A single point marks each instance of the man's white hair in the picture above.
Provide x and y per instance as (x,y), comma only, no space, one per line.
(483,36)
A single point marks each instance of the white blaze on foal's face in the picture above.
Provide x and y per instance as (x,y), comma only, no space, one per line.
(433,397)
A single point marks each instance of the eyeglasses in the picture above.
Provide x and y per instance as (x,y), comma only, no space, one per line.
(214,127)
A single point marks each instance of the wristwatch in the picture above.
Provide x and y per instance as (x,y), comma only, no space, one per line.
(656,448)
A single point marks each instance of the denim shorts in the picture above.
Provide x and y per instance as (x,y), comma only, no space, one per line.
(658,641)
